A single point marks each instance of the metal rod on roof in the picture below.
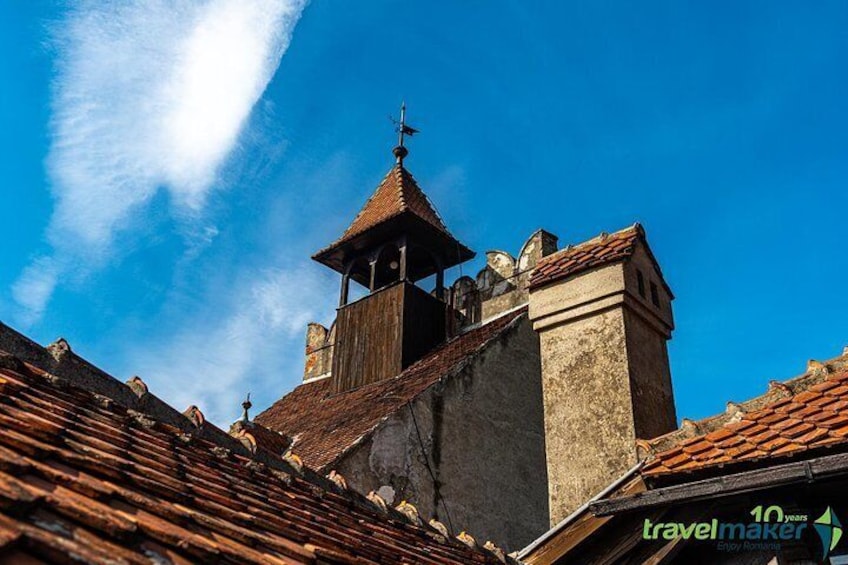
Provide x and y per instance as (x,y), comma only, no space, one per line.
(400,151)
(402,123)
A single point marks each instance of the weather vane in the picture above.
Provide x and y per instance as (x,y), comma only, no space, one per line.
(246,405)
(402,129)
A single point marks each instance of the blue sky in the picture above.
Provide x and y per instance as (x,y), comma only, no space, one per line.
(169,166)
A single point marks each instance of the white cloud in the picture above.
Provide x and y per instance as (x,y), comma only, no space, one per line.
(148,95)
(33,288)
(236,344)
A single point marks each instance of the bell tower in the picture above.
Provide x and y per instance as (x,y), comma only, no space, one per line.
(396,239)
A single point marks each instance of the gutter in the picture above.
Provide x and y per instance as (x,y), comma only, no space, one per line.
(808,471)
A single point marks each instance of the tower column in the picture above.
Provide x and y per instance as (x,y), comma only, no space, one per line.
(372,281)
(345,289)
(402,267)
(440,282)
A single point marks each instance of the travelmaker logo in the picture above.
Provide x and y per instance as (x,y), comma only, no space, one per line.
(770,526)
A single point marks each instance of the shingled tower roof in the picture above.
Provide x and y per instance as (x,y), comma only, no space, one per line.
(398,193)
(398,203)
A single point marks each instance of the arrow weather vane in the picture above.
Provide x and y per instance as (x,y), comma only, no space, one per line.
(402,129)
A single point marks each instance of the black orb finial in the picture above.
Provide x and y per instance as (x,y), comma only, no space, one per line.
(400,152)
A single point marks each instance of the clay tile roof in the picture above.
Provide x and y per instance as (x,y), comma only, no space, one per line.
(325,426)
(262,437)
(85,479)
(596,252)
(397,193)
(813,418)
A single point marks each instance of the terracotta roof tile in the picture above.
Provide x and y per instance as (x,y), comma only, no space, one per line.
(814,417)
(576,259)
(397,193)
(324,426)
(775,443)
(719,435)
(88,478)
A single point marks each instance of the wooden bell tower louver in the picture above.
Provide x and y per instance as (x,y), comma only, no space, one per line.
(396,239)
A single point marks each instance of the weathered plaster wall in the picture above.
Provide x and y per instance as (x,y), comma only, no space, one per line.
(648,326)
(588,412)
(482,430)
(650,378)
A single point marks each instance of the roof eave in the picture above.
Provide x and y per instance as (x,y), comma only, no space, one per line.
(454,252)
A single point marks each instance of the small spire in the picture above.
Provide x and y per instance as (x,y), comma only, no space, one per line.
(402,129)
(246,405)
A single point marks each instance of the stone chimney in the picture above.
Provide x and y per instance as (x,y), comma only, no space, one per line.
(603,313)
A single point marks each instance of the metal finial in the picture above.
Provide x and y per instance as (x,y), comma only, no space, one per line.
(402,130)
(246,405)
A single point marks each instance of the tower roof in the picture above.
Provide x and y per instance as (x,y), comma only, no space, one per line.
(397,193)
(397,204)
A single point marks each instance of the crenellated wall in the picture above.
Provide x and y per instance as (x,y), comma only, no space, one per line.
(502,284)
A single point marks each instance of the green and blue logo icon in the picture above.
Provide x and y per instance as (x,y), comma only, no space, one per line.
(829,530)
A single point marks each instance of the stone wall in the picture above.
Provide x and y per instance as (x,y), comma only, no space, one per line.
(482,432)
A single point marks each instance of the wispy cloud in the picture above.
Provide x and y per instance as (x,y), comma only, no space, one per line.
(33,288)
(236,344)
(148,96)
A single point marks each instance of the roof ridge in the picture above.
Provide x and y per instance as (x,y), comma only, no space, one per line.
(486,342)
(816,373)
(69,369)
(400,180)
(599,251)
(602,236)
(414,186)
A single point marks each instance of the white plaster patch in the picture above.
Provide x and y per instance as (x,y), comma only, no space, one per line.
(387,493)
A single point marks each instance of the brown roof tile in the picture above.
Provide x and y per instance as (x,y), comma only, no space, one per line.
(397,193)
(87,477)
(602,250)
(324,426)
(784,427)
